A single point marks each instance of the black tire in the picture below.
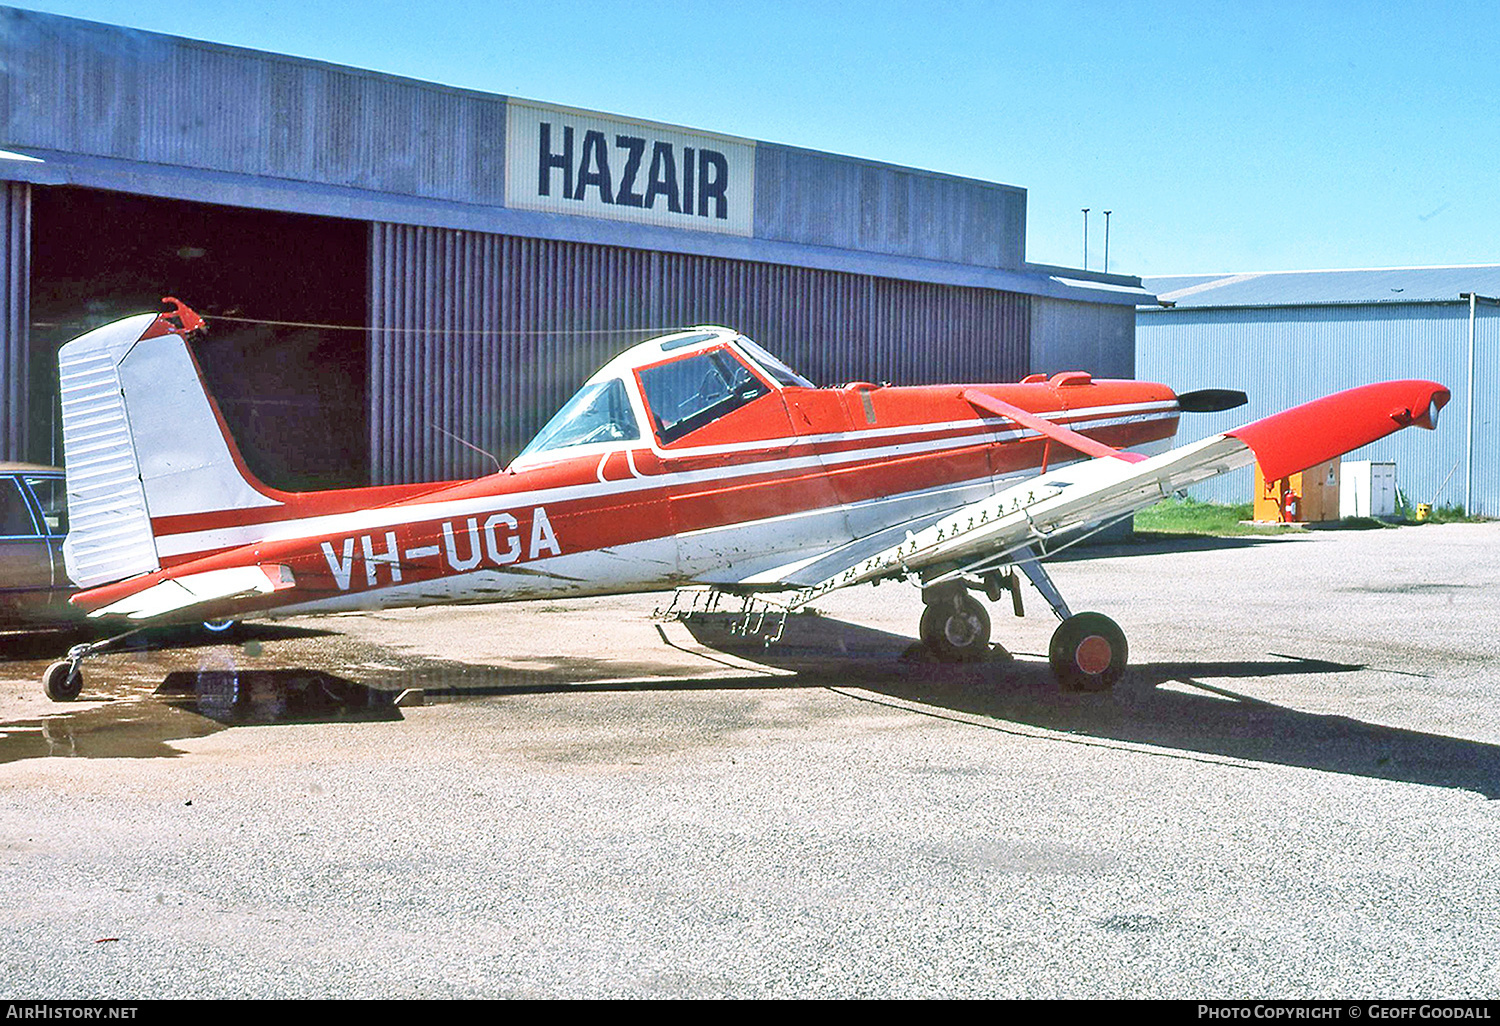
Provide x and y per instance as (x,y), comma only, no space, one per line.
(62,681)
(1088,652)
(956,629)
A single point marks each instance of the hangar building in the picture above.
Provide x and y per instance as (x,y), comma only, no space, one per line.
(393,268)
(1288,337)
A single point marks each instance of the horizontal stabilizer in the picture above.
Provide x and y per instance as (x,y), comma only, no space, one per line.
(200,589)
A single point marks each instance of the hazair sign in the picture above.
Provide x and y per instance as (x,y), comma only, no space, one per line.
(576,162)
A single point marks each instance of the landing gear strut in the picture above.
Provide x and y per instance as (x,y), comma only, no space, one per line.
(1088,651)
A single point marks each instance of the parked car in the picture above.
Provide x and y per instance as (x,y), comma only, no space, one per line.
(34,585)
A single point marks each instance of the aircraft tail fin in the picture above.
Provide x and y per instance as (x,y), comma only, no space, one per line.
(143,442)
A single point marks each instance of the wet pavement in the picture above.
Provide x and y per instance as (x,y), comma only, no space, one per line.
(174,683)
(1291,793)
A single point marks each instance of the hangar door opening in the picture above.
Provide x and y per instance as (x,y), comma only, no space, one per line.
(294,396)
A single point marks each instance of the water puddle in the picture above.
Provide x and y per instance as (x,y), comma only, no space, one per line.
(251,697)
(191,704)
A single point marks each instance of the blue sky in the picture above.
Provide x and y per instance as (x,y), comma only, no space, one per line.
(1224,136)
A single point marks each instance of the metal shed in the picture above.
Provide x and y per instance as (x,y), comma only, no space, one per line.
(1288,337)
(392,265)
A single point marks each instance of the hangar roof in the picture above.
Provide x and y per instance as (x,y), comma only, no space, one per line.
(1323,288)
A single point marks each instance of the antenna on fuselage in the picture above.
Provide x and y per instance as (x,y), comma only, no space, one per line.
(469,445)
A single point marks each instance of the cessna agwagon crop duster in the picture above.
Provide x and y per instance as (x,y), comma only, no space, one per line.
(694,458)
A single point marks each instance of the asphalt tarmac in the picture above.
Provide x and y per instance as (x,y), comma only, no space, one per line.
(1291,795)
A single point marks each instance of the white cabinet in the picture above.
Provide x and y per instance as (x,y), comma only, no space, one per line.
(1367,489)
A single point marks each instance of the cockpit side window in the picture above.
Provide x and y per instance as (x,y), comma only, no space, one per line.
(774,367)
(599,412)
(686,394)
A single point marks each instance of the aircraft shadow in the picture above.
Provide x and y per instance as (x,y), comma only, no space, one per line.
(1194,714)
(31,645)
(241,698)
(1180,705)
(1152,543)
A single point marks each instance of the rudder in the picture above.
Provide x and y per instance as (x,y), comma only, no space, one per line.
(141,441)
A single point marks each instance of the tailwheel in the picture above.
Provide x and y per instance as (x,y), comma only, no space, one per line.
(63,681)
(1088,652)
(956,629)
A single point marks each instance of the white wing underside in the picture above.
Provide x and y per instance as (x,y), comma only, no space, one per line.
(986,532)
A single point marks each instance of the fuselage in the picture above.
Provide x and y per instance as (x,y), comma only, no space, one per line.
(646,490)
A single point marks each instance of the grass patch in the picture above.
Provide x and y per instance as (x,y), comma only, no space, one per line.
(1189,516)
(1453,515)
(1406,511)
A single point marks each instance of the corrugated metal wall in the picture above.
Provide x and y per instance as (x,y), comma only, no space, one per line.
(1093,337)
(823,200)
(1485,490)
(1284,356)
(82,87)
(15,317)
(485,336)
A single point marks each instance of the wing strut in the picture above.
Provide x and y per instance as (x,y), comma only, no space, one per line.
(1056,432)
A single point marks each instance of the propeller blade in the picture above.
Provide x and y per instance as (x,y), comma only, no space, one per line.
(1211,400)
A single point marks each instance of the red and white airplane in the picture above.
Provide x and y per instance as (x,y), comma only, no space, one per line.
(692,459)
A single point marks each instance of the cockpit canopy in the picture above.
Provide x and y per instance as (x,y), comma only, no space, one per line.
(676,384)
(598,412)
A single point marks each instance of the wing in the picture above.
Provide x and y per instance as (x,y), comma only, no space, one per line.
(1112,484)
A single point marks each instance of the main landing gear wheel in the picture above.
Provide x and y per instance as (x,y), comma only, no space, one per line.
(956,629)
(1088,652)
(62,681)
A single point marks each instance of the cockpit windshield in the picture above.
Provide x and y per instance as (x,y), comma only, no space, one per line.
(599,412)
